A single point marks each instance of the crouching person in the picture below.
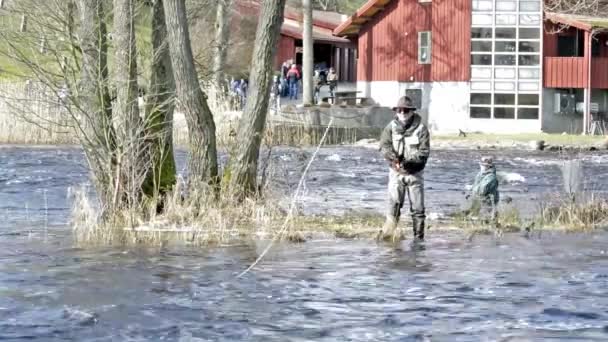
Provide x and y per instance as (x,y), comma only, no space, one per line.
(405,144)
(485,192)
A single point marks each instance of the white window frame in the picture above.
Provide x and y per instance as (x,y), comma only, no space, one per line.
(428,47)
(521,82)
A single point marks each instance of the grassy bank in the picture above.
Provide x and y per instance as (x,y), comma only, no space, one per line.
(506,140)
(218,222)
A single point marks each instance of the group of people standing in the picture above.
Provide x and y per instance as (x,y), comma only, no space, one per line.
(287,84)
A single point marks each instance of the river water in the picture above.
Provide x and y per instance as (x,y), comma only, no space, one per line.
(550,286)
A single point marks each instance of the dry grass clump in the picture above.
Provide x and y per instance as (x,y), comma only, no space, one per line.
(575,215)
(202,218)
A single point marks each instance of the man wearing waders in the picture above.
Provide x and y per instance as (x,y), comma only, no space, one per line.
(405,144)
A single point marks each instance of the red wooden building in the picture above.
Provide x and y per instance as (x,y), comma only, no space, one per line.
(483,65)
(329,50)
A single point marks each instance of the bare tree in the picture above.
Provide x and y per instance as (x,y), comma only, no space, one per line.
(97,134)
(126,109)
(244,166)
(159,110)
(308,58)
(222,35)
(202,164)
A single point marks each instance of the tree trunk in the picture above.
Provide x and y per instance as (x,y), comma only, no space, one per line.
(243,172)
(95,130)
(222,35)
(191,99)
(308,58)
(126,108)
(159,111)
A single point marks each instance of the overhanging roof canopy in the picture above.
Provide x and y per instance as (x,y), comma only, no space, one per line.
(352,26)
(582,22)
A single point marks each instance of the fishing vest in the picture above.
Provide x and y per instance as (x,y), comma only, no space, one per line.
(406,146)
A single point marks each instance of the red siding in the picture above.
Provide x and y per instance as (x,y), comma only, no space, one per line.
(287,50)
(565,72)
(599,73)
(451,40)
(388,44)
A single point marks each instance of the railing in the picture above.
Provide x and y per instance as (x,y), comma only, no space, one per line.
(565,72)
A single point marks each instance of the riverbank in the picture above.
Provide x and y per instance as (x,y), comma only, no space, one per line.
(521,142)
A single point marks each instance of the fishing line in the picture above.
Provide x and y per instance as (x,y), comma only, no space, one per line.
(292,206)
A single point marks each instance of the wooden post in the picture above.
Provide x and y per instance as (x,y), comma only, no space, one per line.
(24,23)
(43,45)
(587,91)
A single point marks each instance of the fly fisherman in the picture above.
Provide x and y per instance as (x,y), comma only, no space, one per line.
(485,191)
(405,144)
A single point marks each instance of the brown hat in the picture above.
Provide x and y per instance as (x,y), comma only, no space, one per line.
(404,102)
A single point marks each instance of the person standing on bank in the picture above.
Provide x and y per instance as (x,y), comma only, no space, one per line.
(405,144)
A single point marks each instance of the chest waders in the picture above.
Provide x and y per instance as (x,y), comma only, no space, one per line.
(402,184)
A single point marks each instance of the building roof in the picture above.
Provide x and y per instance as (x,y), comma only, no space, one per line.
(294,29)
(364,14)
(583,22)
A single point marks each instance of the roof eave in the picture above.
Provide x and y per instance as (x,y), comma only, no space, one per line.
(364,14)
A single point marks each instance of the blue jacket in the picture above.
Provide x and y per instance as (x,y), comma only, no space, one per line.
(486,185)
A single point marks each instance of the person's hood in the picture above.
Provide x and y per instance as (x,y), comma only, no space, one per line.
(410,126)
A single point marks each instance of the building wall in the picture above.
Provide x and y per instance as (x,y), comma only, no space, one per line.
(445,107)
(450,52)
(388,44)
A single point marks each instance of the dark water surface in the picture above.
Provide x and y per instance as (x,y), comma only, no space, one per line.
(552,287)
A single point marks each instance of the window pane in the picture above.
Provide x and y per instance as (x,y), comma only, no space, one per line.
(477,72)
(481,19)
(502,5)
(529,19)
(529,46)
(482,99)
(529,6)
(529,60)
(506,19)
(424,55)
(528,86)
(505,33)
(482,5)
(477,85)
(527,113)
(529,73)
(478,46)
(424,39)
(504,99)
(528,99)
(504,86)
(505,60)
(505,46)
(481,32)
(481,59)
(481,112)
(529,33)
(504,113)
(504,73)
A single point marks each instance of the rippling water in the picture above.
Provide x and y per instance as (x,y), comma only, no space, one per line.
(552,287)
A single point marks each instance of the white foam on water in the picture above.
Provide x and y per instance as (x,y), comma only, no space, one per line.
(510,177)
(333,157)
(537,162)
